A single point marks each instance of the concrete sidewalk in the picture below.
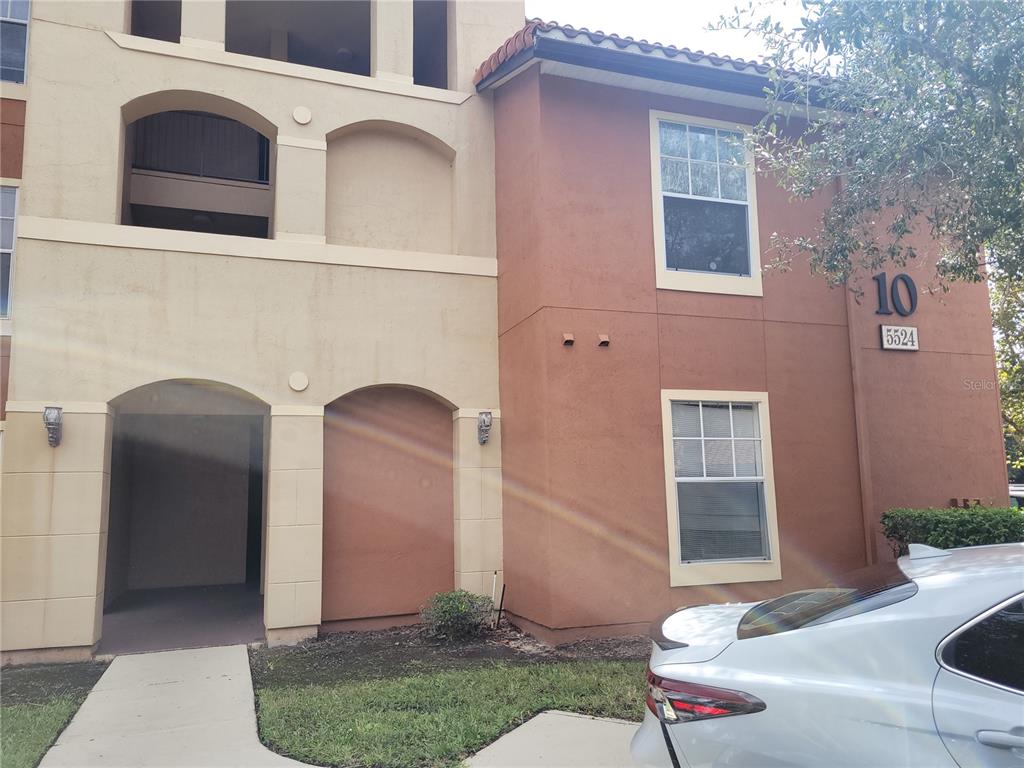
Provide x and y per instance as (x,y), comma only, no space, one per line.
(194,709)
(560,740)
(175,708)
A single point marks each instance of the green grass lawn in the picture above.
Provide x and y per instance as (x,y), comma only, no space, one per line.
(436,718)
(28,730)
(35,704)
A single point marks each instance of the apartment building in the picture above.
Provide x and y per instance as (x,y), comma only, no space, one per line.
(255,272)
(681,427)
(269,264)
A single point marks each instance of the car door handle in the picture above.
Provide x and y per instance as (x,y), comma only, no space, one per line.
(1000,739)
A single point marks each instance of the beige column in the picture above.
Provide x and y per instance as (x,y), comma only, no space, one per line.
(202,23)
(475,30)
(391,40)
(300,189)
(477,502)
(294,552)
(53,528)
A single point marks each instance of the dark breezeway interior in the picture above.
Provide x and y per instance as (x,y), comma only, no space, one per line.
(186,518)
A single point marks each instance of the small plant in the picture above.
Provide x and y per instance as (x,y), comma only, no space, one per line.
(954,527)
(457,615)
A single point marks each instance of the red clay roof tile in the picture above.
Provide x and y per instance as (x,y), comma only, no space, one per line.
(524,39)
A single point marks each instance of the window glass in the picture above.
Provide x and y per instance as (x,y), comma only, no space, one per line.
(719,481)
(992,649)
(860,591)
(704,236)
(704,189)
(8,200)
(14,9)
(12,51)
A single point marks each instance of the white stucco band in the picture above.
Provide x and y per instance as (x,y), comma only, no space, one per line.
(313,250)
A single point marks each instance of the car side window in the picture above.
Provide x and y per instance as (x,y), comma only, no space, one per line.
(991,650)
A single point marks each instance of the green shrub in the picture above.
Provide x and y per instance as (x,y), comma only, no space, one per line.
(457,615)
(946,528)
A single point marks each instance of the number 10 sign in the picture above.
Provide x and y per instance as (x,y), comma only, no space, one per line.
(897,336)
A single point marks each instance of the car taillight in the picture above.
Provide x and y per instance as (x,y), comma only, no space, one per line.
(675,701)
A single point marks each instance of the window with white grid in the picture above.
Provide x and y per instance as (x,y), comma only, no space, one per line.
(720,482)
(704,198)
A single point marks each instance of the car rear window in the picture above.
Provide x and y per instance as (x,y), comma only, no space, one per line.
(860,591)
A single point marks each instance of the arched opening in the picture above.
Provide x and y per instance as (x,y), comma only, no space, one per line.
(388,504)
(389,186)
(199,164)
(184,557)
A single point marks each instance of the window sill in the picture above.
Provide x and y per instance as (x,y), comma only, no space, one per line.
(729,285)
(284,68)
(704,574)
(12,90)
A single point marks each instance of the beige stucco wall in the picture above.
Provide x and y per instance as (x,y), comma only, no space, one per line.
(103,308)
(389,189)
(75,167)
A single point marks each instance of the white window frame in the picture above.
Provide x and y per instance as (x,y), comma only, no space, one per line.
(5,318)
(687,280)
(24,68)
(720,571)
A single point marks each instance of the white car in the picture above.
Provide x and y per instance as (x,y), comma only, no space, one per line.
(914,663)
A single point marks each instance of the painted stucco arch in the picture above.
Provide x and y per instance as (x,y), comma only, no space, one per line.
(421,135)
(398,385)
(390,185)
(179,395)
(175,100)
(388,513)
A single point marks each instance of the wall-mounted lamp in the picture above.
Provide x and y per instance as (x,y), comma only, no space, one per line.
(52,418)
(568,339)
(603,340)
(483,426)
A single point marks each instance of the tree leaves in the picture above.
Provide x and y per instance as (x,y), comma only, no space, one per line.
(925,128)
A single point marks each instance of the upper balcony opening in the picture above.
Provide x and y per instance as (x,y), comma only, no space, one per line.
(329,34)
(157,19)
(198,171)
(430,43)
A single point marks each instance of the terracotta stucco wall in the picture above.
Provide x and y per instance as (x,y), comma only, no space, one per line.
(388,496)
(586,539)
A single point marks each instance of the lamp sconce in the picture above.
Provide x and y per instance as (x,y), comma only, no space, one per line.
(53,416)
(483,426)
(603,340)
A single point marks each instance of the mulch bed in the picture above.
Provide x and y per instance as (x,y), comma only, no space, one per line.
(40,683)
(345,656)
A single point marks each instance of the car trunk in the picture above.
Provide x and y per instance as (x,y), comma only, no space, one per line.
(706,630)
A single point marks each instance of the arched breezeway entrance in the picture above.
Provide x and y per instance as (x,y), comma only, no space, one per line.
(184,558)
(388,505)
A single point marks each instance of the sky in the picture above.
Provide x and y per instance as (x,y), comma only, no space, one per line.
(682,23)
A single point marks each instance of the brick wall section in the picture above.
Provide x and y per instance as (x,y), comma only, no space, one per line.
(12,137)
